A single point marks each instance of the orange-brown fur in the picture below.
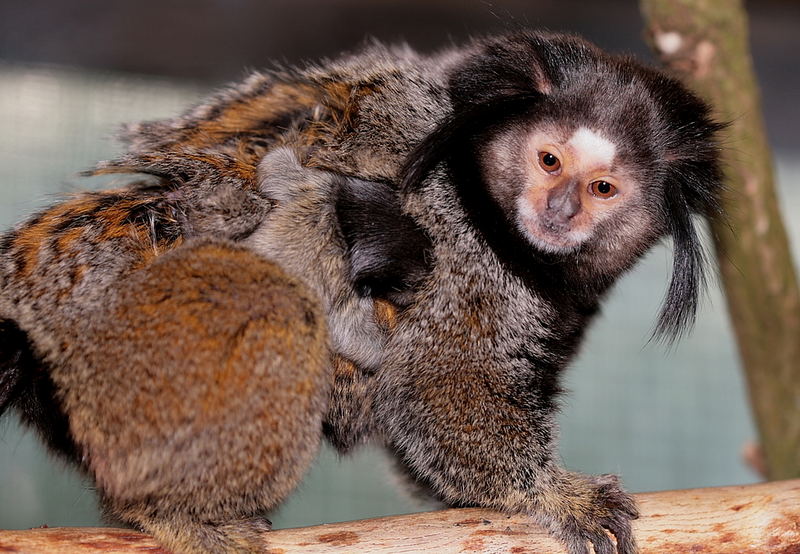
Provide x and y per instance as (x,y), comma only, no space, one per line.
(187,340)
(160,446)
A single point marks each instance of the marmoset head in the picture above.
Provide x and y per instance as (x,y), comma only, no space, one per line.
(564,187)
(584,158)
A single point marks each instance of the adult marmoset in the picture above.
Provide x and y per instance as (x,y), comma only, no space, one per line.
(388,246)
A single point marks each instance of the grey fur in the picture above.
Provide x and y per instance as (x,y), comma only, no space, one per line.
(302,235)
(460,383)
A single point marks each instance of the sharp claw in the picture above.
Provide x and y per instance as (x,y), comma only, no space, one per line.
(603,519)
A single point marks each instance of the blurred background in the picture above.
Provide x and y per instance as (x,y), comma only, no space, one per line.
(71,72)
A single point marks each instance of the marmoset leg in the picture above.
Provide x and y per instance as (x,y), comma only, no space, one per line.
(475,438)
(196,395)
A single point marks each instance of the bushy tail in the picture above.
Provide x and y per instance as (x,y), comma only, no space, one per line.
(14,349)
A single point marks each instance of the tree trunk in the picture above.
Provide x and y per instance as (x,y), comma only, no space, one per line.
(706,43)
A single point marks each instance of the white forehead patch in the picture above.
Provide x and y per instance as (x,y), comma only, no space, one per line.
(592,148)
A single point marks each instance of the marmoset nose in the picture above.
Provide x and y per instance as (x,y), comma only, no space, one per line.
(564,201)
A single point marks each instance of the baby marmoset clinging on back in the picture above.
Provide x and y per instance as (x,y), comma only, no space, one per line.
(391,246)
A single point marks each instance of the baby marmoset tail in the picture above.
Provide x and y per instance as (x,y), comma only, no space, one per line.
(531,170)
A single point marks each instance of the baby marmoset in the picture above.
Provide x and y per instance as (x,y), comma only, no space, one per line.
(391,246)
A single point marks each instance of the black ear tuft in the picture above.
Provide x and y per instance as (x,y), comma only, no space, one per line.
(694,178)
(697,190)
(680,303)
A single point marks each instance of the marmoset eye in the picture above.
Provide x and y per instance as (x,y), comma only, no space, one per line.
(549,162)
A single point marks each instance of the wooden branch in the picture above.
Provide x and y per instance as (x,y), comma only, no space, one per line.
(753,518)
(705,43)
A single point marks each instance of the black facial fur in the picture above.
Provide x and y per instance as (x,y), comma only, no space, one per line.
(458,142)
(528,78)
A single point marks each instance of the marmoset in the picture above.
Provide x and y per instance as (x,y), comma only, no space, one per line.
(391,246)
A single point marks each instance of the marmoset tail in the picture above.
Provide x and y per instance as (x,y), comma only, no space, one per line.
(390,247)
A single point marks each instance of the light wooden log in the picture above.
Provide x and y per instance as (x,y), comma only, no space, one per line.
(760,519)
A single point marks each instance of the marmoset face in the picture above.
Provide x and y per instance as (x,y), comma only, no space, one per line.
(563,187)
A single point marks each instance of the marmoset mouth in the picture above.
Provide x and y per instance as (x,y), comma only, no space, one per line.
(551,237)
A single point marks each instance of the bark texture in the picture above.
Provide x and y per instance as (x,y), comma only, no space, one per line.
(705,42)
(743,520)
